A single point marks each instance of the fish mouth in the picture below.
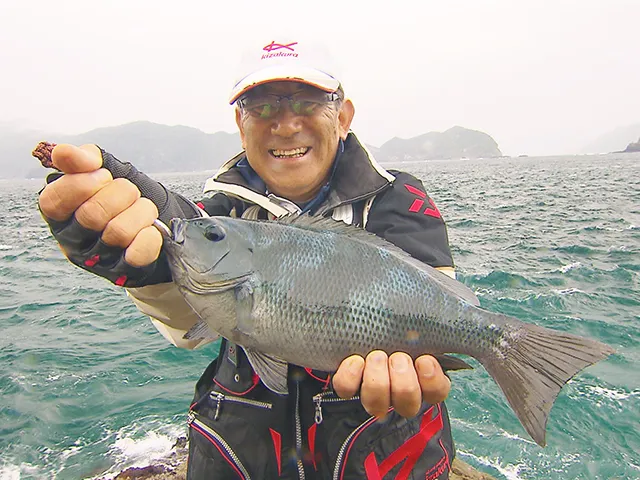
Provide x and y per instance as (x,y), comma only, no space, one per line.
(204,288)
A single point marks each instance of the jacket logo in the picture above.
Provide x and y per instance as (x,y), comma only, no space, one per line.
(418,203)
(408,453)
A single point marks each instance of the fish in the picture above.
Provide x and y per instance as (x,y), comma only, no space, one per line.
(312,291)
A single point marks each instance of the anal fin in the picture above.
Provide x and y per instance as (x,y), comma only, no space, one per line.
(447,362)
(271,370)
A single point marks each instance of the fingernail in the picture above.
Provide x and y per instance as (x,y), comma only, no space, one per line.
(426,367)
(377,358)
(399,363)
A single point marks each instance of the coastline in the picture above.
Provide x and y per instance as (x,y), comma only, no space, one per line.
(174,467)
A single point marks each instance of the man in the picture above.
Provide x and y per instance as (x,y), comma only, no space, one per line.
(378,416)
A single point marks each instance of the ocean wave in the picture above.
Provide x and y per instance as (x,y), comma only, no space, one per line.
(619,249)
(599,394)
(5,247)
(140,444)
(612,394)
(10,471)
(509,470)
(569,291)
(566,268)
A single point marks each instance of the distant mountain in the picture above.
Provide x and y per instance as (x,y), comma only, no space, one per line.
(613,141)
(457,142)
(151,147)
(155,148)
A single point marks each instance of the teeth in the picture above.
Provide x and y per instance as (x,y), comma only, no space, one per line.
(296,152)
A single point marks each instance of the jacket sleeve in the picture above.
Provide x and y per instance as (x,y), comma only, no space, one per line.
(169,312)
(407,217)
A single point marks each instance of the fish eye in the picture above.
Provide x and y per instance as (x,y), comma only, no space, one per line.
(214,233)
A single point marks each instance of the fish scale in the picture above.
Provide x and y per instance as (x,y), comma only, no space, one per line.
(312,292)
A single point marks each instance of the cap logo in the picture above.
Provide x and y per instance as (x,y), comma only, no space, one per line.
(277,46)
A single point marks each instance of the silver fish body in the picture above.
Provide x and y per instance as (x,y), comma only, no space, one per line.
(313,291)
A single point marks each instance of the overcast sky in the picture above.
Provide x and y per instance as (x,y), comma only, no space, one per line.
(541,77)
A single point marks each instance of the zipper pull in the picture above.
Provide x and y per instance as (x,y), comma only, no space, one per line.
(191,416)
(317,399)
(219,397)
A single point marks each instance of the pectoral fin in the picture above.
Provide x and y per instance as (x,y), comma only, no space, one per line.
(200,331)
(271,370)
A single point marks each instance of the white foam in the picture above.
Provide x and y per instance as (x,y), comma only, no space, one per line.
(621,248)
(611,393)
(143,451)
(15,472)
(571,266)
(510,471)
(140,445)
(5,247)
(10,472)
(568,291)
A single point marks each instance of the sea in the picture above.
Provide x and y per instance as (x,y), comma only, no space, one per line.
(88,387)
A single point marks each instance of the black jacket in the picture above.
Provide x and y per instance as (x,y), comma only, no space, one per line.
(240,429)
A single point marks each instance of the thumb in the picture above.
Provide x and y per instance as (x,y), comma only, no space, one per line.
(71,159)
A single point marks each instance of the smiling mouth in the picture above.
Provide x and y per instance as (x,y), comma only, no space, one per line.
(293,153)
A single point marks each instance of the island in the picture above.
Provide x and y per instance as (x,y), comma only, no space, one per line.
(454,143)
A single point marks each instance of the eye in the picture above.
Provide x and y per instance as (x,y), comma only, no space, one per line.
(214,233)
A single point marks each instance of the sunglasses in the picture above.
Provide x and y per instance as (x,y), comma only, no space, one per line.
(267,106)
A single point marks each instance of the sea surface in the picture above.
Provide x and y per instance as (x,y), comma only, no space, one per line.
(88,387)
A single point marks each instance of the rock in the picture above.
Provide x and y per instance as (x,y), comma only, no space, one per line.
(633,147)
(175,468)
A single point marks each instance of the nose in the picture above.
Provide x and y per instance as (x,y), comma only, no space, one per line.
(286,123)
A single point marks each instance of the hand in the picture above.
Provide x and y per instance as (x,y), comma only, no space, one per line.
(395,382)
(101,204)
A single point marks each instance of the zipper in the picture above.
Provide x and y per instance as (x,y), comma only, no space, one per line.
(299,434)
(329,397)
(345,444)
(214,436)
(220,397)
(324,397)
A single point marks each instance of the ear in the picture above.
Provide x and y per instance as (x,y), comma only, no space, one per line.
(240,126)
(345,117)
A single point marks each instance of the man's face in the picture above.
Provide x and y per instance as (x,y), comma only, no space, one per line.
(293,153)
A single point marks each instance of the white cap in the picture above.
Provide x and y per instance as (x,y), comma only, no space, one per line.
(286,59)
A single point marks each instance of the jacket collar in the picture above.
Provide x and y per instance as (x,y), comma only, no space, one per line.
(357,175)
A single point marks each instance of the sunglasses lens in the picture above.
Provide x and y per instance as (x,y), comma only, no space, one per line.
(267,110)
(267,107)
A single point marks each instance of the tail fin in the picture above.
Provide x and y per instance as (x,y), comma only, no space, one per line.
(535,366)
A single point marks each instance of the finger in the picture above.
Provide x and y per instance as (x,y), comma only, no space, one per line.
(374,392)
(145,247)
(61,198)
(348,377)
(122,229)
(435,385)
(71,159)
(106,204)
(406,395)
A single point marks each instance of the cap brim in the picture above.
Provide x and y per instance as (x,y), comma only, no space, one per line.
(285,73)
